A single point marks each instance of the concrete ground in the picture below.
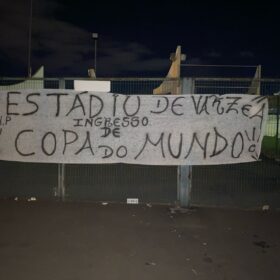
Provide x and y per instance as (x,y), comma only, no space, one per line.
(82,241)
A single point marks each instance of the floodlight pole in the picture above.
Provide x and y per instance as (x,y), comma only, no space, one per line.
(29,70)
(95,37)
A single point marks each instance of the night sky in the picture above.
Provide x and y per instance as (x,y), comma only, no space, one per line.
(136,37)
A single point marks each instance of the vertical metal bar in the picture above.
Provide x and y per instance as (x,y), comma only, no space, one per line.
(277,126)
(61,167)
(184,174)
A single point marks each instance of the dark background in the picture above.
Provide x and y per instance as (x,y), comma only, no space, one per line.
(136,37)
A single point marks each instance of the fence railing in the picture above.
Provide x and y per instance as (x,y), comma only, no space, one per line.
(118,85)
(267,87)
(245,184)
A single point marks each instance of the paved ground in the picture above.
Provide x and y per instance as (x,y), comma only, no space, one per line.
(47,240)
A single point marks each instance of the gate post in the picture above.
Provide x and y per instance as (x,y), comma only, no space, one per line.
(61,167)
(184,172)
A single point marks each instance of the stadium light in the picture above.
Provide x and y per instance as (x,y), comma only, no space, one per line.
(95,37)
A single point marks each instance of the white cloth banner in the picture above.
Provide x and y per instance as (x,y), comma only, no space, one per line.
(62,126)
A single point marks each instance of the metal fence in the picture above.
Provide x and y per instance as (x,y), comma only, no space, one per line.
(244,185)
(265,87)
(118,85)
(88,182)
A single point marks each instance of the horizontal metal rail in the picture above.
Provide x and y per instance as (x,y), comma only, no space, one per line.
(87,78)
(220,66)
(139,79)
(237,79)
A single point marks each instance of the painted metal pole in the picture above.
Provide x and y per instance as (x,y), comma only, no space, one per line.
(184,175)
(61,167)
(277,125)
